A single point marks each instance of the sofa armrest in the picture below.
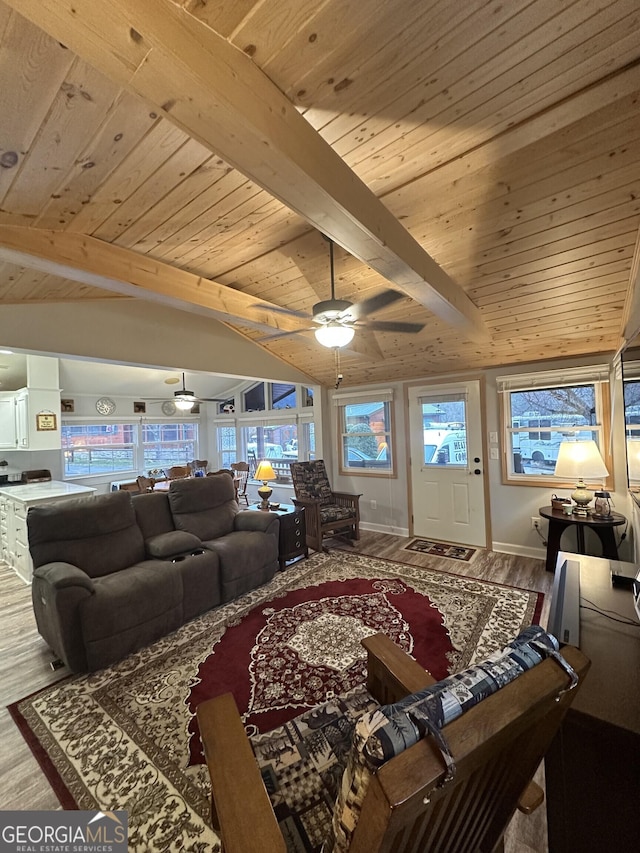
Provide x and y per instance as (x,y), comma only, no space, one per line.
(63,575)
(263,522)
(164,546)
(241,809)
(392,674)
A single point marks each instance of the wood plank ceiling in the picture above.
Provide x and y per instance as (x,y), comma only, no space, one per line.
(488,167)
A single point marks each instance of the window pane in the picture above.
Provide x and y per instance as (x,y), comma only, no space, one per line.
(366,438)
(254,399)
(543,418)
(445,432)
(632,422)
(283,396)
(269,442)
(98,449)
(227,446)
(168,444)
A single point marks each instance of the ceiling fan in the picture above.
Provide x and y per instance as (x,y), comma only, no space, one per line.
(184,399)
(336,320)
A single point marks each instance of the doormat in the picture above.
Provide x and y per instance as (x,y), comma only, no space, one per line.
(440,549)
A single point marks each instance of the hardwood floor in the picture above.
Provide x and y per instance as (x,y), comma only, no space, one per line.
(25,668)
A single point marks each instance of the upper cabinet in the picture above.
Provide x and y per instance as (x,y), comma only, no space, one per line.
(8,422)
(30,417)
(37,419)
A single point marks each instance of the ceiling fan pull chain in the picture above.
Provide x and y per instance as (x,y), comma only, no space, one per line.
(336,351)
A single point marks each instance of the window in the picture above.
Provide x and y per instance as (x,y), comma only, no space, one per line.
(167,444)
(276,442)
(283,396)
(632,420)
(540,411)
(283,434)
(91,449)
(227,445)
(98,449)
(365,433)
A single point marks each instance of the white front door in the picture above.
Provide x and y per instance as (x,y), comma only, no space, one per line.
(447,463)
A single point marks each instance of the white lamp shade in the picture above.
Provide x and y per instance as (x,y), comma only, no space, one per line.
(580,460)
(334,335)
(183,405)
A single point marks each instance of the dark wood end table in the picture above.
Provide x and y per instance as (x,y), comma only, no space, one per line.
(292,544)
(602,527)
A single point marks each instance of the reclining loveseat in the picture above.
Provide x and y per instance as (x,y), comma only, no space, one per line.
(115,572)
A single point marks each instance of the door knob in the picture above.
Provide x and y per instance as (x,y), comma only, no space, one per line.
(477,471)
(476,459)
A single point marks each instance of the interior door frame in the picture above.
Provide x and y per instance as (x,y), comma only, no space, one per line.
(435,383)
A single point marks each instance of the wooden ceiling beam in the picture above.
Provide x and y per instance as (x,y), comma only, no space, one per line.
(90,261)
(215,93)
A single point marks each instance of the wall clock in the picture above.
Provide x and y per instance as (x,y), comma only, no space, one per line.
(105,406)
(169,407)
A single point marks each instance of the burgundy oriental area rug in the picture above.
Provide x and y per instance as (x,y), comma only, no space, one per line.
(126,737)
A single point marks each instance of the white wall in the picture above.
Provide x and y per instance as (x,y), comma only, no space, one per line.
(511,506)
(140,333)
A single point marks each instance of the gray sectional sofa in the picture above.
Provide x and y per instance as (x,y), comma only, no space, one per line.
(115,572)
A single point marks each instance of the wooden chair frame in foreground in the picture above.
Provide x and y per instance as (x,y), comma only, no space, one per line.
(497,747)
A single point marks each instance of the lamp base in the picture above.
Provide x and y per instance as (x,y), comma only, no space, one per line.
(265,493)
(582,497)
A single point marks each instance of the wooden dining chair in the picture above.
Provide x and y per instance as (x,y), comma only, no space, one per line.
(178,472)
(241,474)
(145,484)
(444,786)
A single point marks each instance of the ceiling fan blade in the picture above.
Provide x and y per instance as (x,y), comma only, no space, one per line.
(278,309)
(391,326)
(374,303)
(277,335)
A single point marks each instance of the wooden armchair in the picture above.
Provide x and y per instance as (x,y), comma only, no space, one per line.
(411,802)
(327,513)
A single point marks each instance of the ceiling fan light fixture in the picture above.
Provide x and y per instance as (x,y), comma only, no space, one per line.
(184,405)
(334,335)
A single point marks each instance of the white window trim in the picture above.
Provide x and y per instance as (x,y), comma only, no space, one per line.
(596,375)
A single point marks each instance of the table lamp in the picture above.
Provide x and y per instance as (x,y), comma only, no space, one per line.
(265,473)
(580,460)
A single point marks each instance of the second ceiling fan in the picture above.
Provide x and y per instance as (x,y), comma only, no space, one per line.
(336,320)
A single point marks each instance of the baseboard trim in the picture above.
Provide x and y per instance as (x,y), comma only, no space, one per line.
(384,528)
(519,550)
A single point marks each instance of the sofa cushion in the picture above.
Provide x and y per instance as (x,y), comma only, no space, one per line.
(130,609)
(302,763)
(201,587)
(98,534)
(204,506)
(153,513)
(247,560)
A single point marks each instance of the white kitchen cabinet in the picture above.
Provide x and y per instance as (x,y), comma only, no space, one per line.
(7,422)
(22,420)
(30,402)
(15,502)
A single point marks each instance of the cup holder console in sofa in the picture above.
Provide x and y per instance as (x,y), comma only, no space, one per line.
(115,572)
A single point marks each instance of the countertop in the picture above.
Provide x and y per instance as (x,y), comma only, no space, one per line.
(44,491)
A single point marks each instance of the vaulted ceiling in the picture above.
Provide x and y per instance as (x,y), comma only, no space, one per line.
(481,158)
